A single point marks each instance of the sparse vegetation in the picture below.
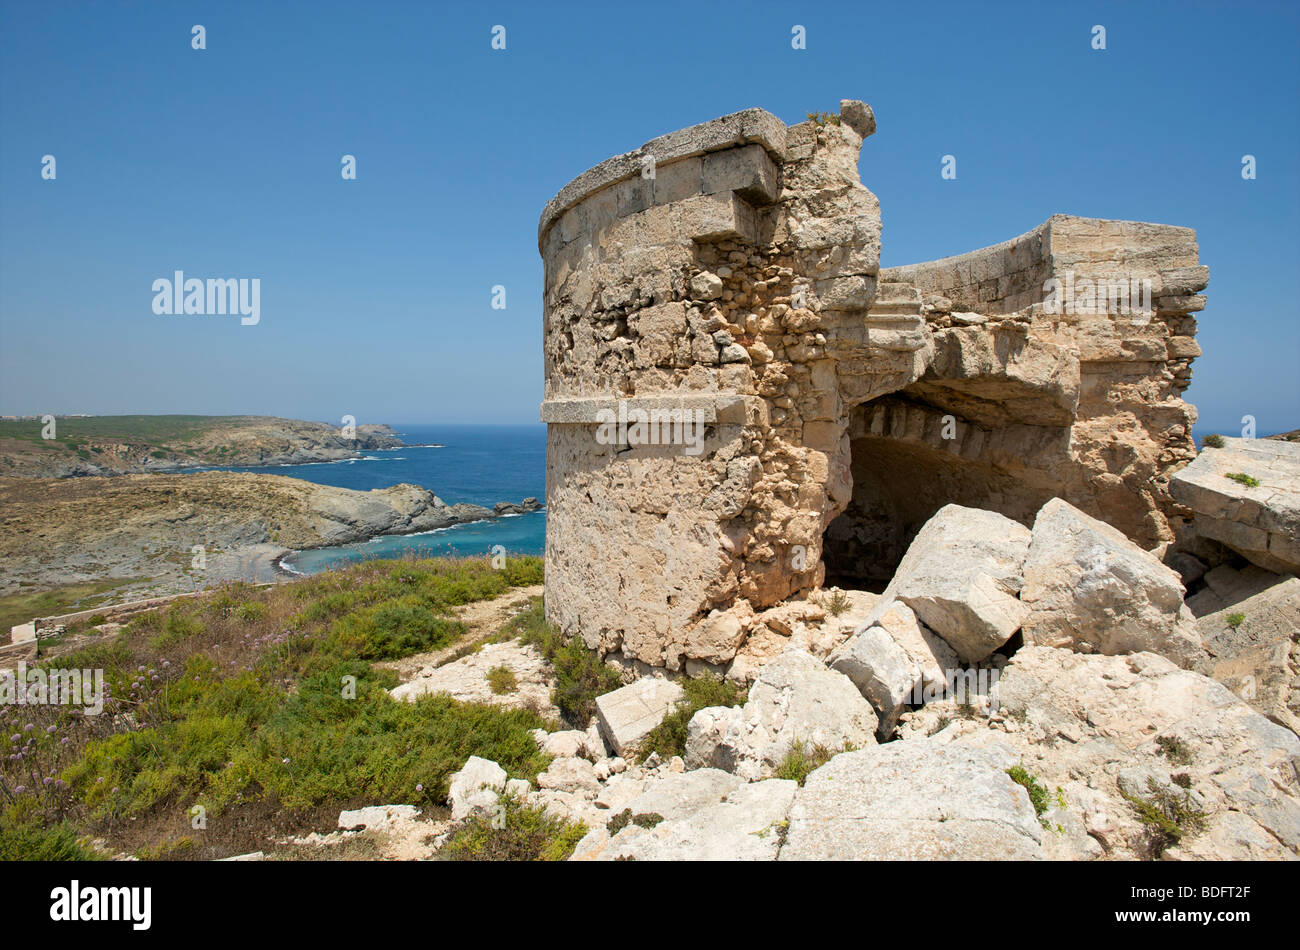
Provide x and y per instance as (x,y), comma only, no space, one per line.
(1248,480)
(1174,749)
(581,675)
(669,737)
(517,832)
(1167,816)
(1235,620)
(802,760)
(1213,441)
(838,603)
(823,118)
(254,696)
(1039,796)
(502,680)
(625,818)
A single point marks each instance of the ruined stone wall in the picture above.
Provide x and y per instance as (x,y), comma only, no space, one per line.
(732,270)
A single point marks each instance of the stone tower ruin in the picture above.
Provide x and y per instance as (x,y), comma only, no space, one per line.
(730,273)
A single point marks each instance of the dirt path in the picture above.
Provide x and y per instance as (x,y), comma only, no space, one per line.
(483,618)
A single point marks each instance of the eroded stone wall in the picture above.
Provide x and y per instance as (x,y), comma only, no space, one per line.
(732,270)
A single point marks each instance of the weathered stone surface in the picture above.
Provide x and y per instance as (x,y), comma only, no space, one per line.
(466,679)
(1261,522)
(1088,588)
(628,713)
(795,699)
(916,800)
(1253,648)
(862,401)
(1115,722)
(746,825)
(475,786)
(893,662)
(569,774)
(961,576)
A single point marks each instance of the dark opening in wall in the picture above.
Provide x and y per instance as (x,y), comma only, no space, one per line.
(903,473)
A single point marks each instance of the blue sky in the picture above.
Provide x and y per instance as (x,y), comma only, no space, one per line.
(376,292)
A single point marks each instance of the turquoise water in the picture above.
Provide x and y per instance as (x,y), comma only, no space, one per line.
(478,464)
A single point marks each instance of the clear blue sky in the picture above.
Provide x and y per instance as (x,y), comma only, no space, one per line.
(376,292)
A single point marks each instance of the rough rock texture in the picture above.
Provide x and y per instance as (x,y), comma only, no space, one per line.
(476,786)
(917,801)
(1098,727)
(746,825)
(1253,648)
(466,679)
(893,660)
(1261,522)
(795,699)
(961,576)
(626,714)
(1088,588)
(729,272)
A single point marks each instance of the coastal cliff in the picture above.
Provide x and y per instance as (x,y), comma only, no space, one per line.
(121,445)
(63,530)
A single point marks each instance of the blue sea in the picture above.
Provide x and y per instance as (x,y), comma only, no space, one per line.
(478,464)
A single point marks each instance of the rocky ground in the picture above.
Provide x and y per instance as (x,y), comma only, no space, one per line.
(1106,716)
(57,531)
(119,445)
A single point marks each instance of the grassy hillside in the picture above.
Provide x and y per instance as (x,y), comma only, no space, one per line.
(263,707)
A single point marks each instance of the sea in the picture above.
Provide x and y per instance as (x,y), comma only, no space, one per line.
(480,464)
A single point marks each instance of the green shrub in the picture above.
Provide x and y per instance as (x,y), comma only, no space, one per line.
(394,629)
(625,818)
(802,760)
(1236,620)
(1174,749)
(1248,480)
(1213,441)
(1038,794)
(517,832)
(32,841)
(581,675)
(669,737)
(1168,817)
(502,680)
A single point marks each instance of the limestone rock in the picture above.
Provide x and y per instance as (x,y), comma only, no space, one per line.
(1114,722)
(1253,648)
(1261,522)
(629,712)
(913,800)
(476,785)
(570,774)
(961,576)
(746,825)
(795,699)
(894,662)
(1088,588)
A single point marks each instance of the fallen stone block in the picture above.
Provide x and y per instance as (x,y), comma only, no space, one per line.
(795,700)
(913,800)
(1260,521)
(961,576)
(1090,589)
(628,713)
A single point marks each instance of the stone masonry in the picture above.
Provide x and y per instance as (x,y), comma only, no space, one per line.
(731,272)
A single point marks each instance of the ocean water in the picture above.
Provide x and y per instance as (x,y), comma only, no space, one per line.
(481,465)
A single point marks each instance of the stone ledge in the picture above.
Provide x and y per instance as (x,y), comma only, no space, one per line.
(740,128)
(725,408)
